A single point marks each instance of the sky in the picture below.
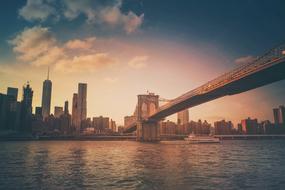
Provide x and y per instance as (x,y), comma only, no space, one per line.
(122,48)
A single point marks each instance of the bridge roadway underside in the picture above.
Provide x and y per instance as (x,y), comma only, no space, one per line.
(252,81)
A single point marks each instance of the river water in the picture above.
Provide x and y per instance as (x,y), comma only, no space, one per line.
(243,164)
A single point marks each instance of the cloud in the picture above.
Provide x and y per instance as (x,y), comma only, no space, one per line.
(38,46)
(85,63)
(73,8)
(113,16)
(101,13)
(245,59)
(32,43)
(80,44)
(132,22)
(138,62)
(37,10)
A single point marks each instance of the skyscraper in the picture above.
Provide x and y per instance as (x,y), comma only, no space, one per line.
(58,111)
(279,115)
(66,111)
(183,117)
(46,97)
(26,109)
(276,116)
(282,115)
(82,101)
(28,98)
(74,110)
(13,92)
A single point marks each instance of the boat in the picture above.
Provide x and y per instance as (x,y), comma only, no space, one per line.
(202,139)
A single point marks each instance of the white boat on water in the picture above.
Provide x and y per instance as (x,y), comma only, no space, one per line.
(202,139)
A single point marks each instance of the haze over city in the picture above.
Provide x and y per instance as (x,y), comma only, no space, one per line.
(127,48)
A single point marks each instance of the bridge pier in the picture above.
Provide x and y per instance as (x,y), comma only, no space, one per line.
(148,131)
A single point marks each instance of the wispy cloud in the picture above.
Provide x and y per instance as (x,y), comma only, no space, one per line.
(80,44)
(138,62)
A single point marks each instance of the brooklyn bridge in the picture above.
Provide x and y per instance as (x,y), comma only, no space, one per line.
(265,69)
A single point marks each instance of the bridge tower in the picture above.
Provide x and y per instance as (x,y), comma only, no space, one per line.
(147,130)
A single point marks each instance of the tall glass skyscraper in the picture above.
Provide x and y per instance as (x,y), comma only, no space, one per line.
(79,107)
(82,101)
(46,97)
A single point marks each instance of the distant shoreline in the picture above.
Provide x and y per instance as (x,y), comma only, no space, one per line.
(133,138)
(70,138)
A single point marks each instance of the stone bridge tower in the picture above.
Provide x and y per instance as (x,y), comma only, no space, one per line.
(147,130)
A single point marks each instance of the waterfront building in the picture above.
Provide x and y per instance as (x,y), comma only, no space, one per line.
(26,109)
(276,116)
(249,126)
(183,117)
(112,126)
(3,111)
(74,111)
(128,120)
(266,127)
(200,128)
(223,127)
(121,129)
(100,124)
(58,111)
(168,128)
(239,128)
(46,97)
(282,115)
(279,115)
(65,124)
(11,110)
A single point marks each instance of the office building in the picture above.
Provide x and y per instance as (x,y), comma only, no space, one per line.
(279,115)
(46,97)
(113,126)
(168,128)
(282,115)
(58,111)
(26,109)
(249,126)
(100,124)
(82,101)
(128,120)
(223,127)
(75,111)
(12,92)
(66,111)
(183,117)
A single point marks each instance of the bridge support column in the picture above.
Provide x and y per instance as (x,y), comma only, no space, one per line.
(148,131)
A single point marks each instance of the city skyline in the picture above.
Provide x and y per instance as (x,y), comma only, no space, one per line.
(135,43)
(142,94)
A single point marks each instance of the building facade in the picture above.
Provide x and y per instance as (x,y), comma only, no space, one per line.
(46,97)
(183,117)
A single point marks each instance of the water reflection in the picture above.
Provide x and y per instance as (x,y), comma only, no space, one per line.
(133,165)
